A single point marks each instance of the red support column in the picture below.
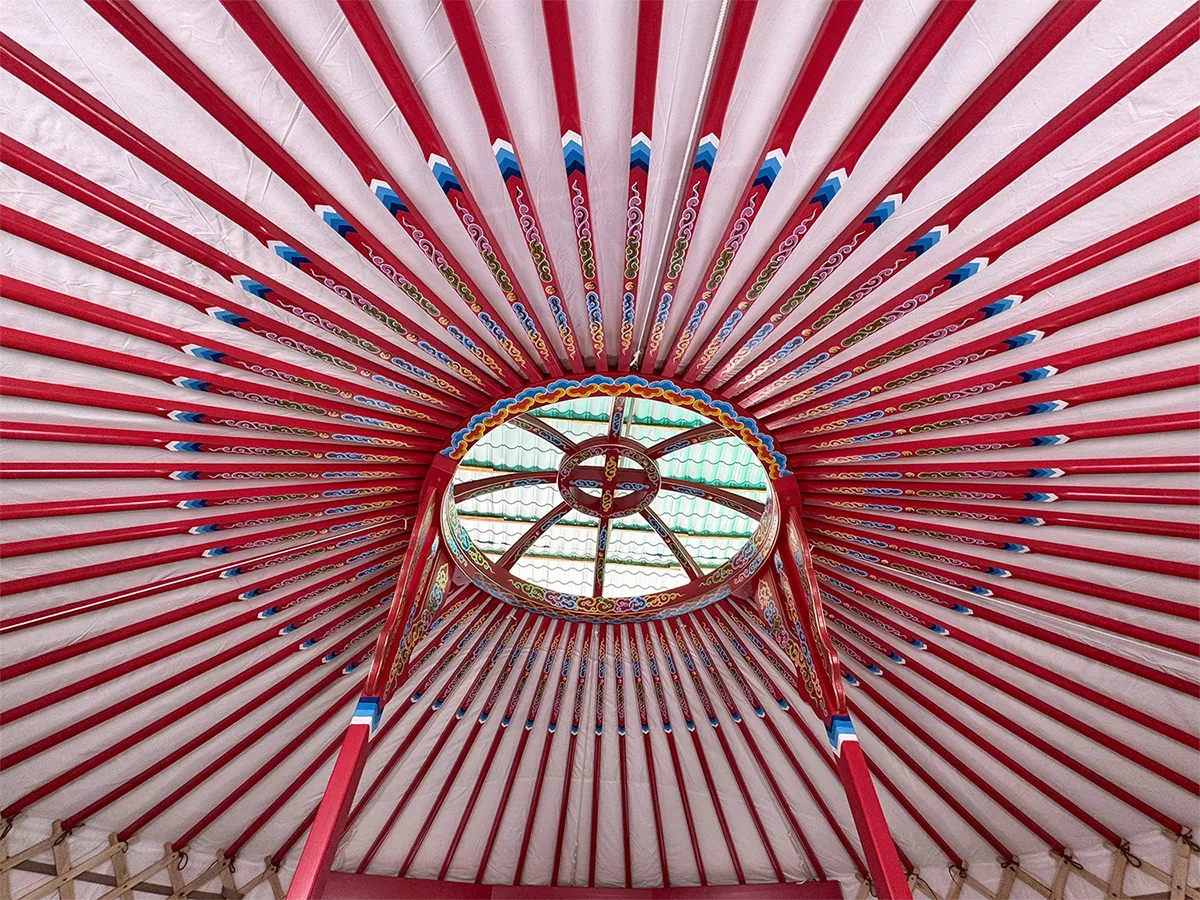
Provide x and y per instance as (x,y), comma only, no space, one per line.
(816,653)
(312,870)
(327,827)
(883,862)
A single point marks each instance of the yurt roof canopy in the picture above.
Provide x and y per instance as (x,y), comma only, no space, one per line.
(886,309)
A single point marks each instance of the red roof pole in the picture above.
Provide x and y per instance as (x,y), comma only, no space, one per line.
(799,584)
(312,870)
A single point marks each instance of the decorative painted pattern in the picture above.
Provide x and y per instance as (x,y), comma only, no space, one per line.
(695,399)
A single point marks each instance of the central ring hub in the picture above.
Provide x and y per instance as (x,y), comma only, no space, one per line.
(606,489)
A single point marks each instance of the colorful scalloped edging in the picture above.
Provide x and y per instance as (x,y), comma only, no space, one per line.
(695,399)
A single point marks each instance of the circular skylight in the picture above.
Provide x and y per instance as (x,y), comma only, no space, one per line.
(610,497)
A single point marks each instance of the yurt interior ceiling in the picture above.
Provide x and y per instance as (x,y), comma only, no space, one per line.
(662,449)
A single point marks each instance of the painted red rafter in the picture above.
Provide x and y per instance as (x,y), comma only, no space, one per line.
(1043,38)
(970,262)
(710,122)
(385,187)
(553,630)
(1133,71)
(1047,748)
(654,628)
(73,99)
(532,632)
(845,388)
(931,577)
(900,632)
(383,56)
(105,202)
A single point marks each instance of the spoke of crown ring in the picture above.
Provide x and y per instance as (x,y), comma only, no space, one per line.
(673,544)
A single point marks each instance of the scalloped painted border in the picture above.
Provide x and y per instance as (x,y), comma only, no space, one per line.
(561,389)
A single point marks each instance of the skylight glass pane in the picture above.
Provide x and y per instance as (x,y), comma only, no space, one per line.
(639,560)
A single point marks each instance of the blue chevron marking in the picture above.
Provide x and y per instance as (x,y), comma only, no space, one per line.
(1046,407)
(1024,339)
(572,147)
(1038,497)
(939,629)
(367,712)
(1046,473)
(962,610)
(1031,520)
(387,195)
(445,176)
(1002,305)
(1049,440)
(850,679)
(214,551)
(334,219)
(224,315)
(998,572)
(874,669)
(885,210)
(897,658)
(918,644)
(178,415)
(980,590)
(769,170)
(966,270)
(250,286)
(506,159)
(192,384)
(1038,374)
(829,187)
(639,152)
(288,254)
(184,476)
(706,152)
(1014,548)
(184,446)
(839,730)
(204,529)
(268,612)
(928,240)
(203,352)
(192,504)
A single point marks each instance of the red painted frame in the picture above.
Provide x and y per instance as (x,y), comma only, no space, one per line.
(347,886)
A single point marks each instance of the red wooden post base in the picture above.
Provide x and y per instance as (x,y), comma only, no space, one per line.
(315,860)
(882,860)
(313,868)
